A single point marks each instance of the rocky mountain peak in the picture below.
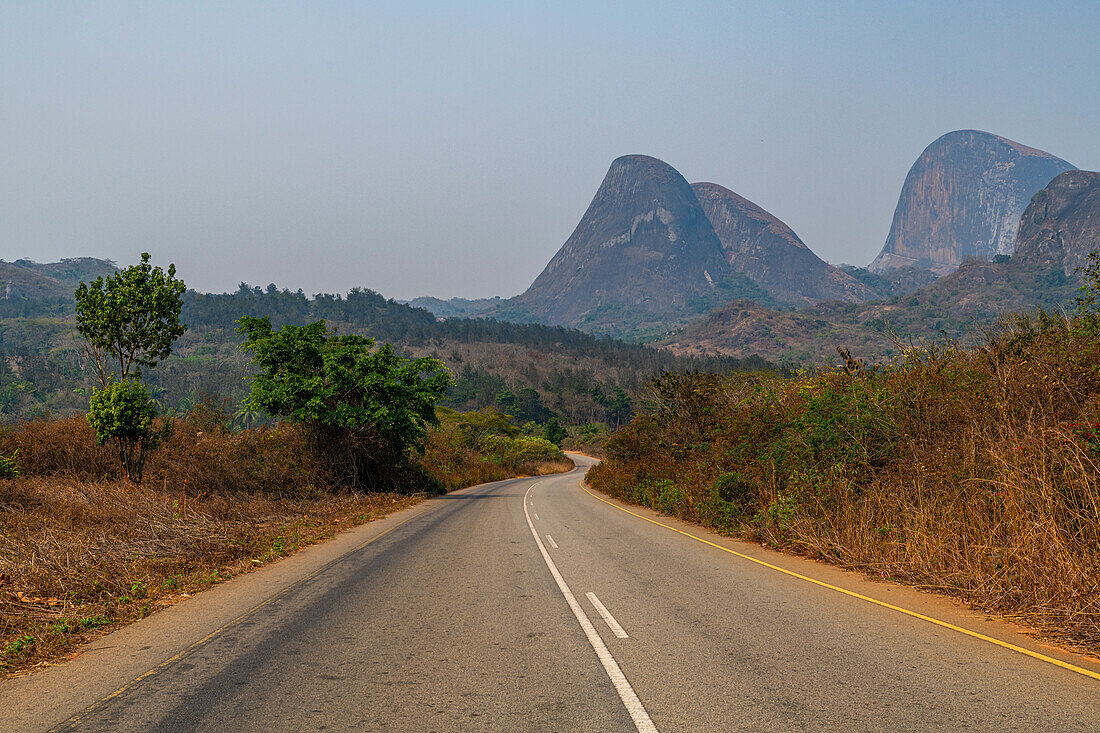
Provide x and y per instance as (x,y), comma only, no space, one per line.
(644,243)
(1061,225)
(963,198)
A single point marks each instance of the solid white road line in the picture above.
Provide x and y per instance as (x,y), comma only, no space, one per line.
(630,699)
(607,617)
(551,541)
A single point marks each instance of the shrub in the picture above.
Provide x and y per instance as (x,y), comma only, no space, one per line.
(8,467)
(365,409)
(123,413)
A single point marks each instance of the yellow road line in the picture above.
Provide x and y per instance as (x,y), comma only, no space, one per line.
(899,609)
(195,645)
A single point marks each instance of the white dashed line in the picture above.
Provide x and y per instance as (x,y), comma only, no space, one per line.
(633,705)
(607,617)
(551,541)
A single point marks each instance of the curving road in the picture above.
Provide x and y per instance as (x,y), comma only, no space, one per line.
(530,605)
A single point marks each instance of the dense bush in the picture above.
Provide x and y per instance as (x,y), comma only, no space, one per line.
(976,473)
(472,448)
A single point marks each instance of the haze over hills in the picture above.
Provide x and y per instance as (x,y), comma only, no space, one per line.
(29,279)
(963,198)
(653,256)
(641,263)
(652,252)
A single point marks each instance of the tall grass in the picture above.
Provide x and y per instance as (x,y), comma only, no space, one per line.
(975,473)
(82,551)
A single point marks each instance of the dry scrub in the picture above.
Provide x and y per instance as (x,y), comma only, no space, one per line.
(78,558)
(975,474)
(82,551)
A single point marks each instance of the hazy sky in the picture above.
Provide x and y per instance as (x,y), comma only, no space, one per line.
(450,148)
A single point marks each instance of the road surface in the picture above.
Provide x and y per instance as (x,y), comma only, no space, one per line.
(533,605)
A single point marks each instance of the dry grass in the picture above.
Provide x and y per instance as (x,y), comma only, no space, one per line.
(82,552)
(79,558)
(974,474)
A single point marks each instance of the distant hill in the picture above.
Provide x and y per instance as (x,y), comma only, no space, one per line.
(893,282)
(457,307)
(962,199)
(956,306)
(768,251)
(1057,231)
(27,279)
(644,244)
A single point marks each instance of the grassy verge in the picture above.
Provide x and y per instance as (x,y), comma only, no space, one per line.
(82,558)
(83,552)
(970,473)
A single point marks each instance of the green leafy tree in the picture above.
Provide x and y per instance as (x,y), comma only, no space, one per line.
(555,433)
(123,413)
(366,409)
(130,319)
(618,409)
(1087,301)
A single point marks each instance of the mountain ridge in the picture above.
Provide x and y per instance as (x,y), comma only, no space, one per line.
(768,251)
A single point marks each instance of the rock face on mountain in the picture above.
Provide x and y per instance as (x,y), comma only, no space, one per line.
(764,248)
(1061,225)
(963,198)
(643,244)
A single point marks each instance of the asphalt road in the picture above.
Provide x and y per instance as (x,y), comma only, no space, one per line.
(531,605)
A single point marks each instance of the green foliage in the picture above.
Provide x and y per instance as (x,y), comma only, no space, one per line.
(618,408)
(130,319)
(476,447)
(123,413)
(367,408)
(525,405)
(474,427)
(555,433)
(1087,301)
(8,466)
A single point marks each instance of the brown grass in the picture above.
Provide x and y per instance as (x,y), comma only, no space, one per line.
(79,558)
(975,474)
(82,552)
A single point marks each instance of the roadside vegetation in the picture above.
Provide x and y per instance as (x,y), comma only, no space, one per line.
(969,472)
(83,551)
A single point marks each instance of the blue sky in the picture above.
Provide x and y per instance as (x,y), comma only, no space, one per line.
(450,149)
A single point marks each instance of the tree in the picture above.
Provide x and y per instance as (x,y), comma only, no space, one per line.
(130,319)
(525,405)
(1087,301)
(555,433)
(365,409)
(125,414)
